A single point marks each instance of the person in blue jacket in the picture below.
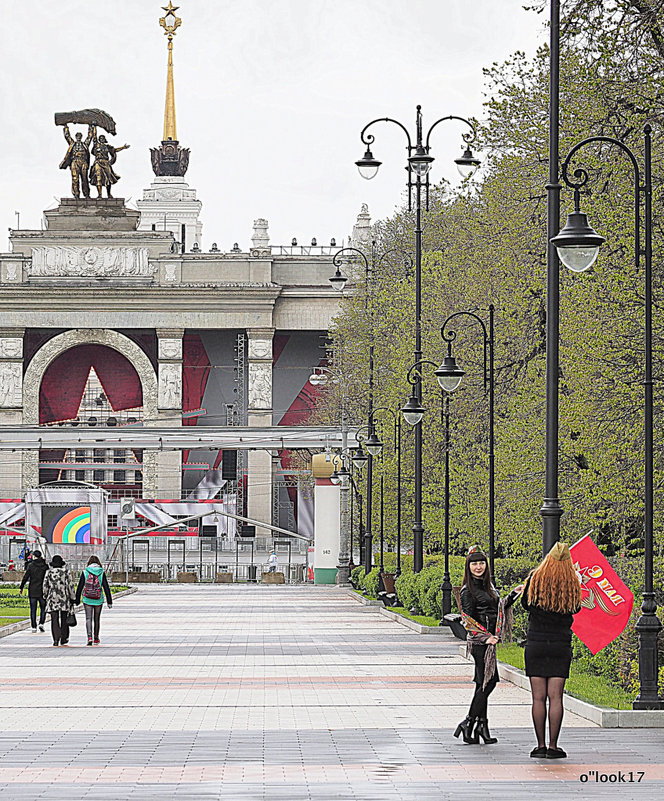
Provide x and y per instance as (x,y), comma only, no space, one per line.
(92,589)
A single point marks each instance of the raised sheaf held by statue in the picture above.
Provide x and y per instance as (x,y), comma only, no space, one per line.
(77,158)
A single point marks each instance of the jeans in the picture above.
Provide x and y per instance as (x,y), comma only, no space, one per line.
(33,611)
(92,618)
(60,627)
(273,569)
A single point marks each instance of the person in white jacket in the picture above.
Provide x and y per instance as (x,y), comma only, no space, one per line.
(272,562)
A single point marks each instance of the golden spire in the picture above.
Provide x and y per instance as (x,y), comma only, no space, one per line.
(170,26)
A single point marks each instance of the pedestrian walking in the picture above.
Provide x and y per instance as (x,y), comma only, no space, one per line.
(92,589)
(272,562)
(551,595)
(483,614)
(59,593)
(34,578)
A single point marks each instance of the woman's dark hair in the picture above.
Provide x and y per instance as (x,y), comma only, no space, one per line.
(94,560)
(57,561)
(468,577)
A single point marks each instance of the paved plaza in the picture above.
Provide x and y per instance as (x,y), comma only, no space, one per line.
(294,693)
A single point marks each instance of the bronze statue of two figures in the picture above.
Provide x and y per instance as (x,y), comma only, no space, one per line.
(77,159)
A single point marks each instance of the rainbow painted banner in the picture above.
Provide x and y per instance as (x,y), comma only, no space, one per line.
(69,524)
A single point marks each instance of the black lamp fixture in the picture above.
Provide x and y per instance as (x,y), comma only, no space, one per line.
(449,374)
(420,162)
(578,243)
(467,163)
(338,280)
(368,165)
(413,411)
(359,457)
(374,444)
(335,478)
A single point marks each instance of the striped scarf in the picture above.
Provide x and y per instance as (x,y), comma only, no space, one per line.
(479,635)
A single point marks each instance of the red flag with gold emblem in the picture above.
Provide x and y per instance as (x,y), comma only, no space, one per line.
(606,601)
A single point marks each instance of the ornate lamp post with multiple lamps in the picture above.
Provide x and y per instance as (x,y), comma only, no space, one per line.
(419,165)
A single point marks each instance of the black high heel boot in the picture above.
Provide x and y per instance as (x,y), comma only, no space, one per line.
(466,729)
(482,730)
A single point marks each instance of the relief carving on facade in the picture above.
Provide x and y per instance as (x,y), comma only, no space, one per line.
(98,261)
(170,348)
(170,386)
(30,469)
(170,272)
(260,385)
(11,348)
(260,349)
(11,385)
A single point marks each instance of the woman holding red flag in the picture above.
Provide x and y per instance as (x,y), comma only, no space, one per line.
(551,595)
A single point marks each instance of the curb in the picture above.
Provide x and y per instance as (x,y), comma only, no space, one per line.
(362,600)
(12,628)
(603,716)
(404,621)
(420,628)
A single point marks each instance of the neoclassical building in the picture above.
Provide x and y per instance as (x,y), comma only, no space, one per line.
(114,319)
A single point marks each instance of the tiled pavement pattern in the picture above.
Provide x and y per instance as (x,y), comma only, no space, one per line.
(293,693)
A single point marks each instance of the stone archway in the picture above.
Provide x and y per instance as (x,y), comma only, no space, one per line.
(70,339)
(87,336)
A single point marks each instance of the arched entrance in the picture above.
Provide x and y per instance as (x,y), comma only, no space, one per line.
(94,378)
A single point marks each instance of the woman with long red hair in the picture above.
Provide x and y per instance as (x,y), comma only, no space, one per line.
(551,595)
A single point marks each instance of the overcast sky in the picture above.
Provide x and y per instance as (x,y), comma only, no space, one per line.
(271,96)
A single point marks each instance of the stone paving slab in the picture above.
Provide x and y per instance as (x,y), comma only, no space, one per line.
(231,692)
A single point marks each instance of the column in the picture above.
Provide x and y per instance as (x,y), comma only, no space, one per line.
(259,413)
(168,479)
(14,465)
(326,531)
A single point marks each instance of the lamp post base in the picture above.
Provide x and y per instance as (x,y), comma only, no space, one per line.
(447,595)
(343,572)
(648,627)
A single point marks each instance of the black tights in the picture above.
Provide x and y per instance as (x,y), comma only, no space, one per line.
(478,706)
(552,689)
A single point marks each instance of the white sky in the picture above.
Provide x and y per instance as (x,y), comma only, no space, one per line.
(271,96)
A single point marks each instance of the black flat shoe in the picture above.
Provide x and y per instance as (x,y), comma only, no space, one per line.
(555,753)
(539,753)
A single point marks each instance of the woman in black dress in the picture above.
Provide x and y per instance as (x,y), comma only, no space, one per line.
(483,616)
(551,595)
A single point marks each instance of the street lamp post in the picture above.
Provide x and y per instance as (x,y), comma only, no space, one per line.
(446,586)
(419,165)
(413,412)
(338,281)
(578,246)
(449,376)
(375,445)
(552,510)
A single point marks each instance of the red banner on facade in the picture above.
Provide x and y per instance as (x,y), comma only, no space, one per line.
(606,602)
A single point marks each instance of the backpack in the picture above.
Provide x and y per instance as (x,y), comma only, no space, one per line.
(92,588)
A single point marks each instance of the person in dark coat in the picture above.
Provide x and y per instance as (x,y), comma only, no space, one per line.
(483,616)
(34,578)
(552,595)
(59,593)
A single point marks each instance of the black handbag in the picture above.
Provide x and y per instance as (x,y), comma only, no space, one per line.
(457,627)
(71,619)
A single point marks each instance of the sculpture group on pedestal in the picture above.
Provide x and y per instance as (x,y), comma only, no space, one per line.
(77,158)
